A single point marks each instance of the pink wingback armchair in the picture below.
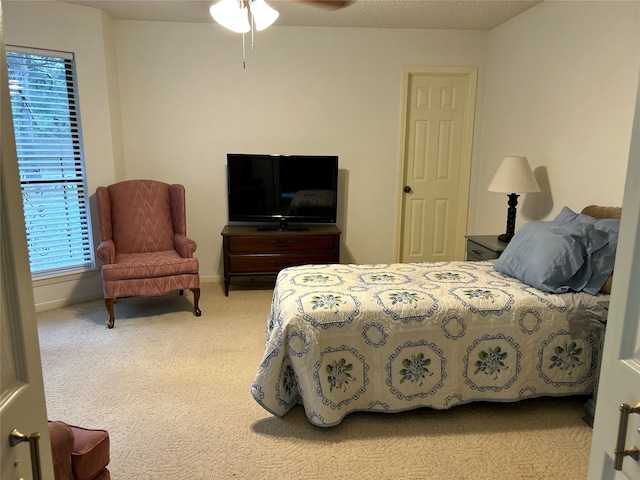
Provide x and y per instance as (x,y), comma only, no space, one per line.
(144,245)
(79,453)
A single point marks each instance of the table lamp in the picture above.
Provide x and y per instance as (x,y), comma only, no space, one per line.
(514,176)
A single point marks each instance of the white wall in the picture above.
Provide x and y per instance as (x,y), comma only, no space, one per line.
(561,87)
(558,82)
(187,101)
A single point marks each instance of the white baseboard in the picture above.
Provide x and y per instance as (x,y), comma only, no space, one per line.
(64,302)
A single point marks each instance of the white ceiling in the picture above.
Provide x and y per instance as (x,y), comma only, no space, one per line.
(436,14)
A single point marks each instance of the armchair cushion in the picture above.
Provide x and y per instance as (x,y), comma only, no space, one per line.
(90,452)
(149,265)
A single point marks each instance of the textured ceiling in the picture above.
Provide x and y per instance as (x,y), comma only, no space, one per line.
(438,14)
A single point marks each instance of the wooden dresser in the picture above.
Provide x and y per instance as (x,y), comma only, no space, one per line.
(250,252)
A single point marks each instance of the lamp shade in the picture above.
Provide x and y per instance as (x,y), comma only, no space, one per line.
(232,14)
(514,176)
(263,14)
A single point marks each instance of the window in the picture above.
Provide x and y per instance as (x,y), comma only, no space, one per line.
(46,122)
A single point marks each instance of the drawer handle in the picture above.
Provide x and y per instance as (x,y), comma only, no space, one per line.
(477,252)
(283,264)
(282,244)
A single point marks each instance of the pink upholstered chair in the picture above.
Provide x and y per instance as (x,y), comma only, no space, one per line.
(79,453)
(144,245)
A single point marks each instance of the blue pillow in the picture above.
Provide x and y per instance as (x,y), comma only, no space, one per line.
(610,226)
(602,261)
(553,258)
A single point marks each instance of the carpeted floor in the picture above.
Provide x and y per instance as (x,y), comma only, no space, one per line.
(172,389)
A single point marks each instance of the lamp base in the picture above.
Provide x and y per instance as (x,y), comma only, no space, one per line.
(504,238)
(511,218)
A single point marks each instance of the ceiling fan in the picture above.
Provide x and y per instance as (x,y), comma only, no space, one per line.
(234,14)
(242,16)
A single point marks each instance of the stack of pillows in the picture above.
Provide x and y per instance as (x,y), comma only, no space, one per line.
(574,252)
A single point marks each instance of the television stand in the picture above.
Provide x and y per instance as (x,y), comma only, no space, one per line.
(284,227)
(249,251)
(280,229)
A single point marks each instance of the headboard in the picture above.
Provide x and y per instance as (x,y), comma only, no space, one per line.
(597,211)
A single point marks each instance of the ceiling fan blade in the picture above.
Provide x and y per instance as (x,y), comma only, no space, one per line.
(327,3)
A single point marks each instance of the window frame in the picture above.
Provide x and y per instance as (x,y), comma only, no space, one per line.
(56,173)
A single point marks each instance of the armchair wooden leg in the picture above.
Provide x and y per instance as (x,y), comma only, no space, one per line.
(109,303)
(196,299)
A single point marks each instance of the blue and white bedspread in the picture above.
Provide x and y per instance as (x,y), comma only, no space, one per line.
(393,337)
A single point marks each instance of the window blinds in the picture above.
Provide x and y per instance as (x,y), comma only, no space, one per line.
(50,160)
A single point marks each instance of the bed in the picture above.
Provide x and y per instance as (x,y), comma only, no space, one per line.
(393,337)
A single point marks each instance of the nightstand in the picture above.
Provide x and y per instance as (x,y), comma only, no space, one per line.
(484,247)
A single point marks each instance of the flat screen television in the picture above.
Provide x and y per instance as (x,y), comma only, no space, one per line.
(279,189)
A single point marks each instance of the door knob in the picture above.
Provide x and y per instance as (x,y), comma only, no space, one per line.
(407,189)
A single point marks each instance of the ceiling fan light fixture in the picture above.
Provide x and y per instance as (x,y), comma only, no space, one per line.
(235,15)
(263,14)
(231,14)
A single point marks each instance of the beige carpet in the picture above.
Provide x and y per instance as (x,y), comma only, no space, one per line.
(172,389)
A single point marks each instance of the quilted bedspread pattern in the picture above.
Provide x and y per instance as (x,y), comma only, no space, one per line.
(393,337)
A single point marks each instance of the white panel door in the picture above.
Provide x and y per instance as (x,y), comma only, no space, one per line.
(436,163)
(619,382)
(22,405)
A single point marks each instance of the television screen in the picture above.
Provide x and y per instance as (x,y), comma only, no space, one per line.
(282,188)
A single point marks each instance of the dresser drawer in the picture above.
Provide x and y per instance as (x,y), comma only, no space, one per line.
(272,264)
(477,252)
(249,251)
(284,244)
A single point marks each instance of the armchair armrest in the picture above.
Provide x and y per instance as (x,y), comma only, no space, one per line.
(61,437)
(184,245)
(107,251)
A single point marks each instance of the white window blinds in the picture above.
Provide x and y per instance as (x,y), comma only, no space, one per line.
(50,160)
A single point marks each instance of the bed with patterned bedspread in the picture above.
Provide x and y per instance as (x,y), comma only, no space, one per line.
(394,337)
